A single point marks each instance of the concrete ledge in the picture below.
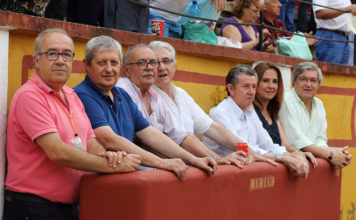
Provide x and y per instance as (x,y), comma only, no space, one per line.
(258,191)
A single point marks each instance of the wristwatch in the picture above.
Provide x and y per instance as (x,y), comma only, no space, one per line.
(330,157)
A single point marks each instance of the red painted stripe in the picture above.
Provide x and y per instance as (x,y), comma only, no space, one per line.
(186,76)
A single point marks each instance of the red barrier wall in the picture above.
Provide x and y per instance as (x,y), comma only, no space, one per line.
(258,191)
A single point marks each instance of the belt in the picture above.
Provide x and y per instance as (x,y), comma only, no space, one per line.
(346,34)
(11,195)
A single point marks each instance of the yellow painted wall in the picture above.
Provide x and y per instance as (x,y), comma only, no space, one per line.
(338,107)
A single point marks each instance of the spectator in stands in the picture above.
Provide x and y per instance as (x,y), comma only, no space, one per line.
(287,14)
(89,12)
(271,10)
(243,12)
(124,15)
(303,116)
(172,24)
(140,66)
(182,106)
(331,24)
(49,139)
(30,7)
(114,116)
(268,101)
(305,22)
(57,9)
(236,114)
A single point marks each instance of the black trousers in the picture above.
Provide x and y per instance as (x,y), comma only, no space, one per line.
(28,206)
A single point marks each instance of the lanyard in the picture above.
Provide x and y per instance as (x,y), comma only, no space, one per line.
(74,124)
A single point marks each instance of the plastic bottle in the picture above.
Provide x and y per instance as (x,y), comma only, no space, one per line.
(194,10)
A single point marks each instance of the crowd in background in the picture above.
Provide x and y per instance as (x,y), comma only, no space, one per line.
(135,16)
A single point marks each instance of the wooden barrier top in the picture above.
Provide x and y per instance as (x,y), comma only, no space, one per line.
(21,22)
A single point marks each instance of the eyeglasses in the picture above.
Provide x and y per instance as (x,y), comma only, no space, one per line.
(53,55)
(143,64)
(305,80)
(166,61)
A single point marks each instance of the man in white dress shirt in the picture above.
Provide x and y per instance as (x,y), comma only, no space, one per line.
(303,116)
(238,116)
(140,66)
(182,106)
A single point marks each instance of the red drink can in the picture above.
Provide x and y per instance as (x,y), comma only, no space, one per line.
(157,27)
(242,147)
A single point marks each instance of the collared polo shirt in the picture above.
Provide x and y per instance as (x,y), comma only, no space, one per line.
(36,110)
(122,114)
(302,129)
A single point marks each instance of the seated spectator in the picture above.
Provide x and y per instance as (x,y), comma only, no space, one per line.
(303,116)
(182,106)
(244,12)
(271,10)
(331,24)
(172,24)
(268,101)
(50,140)
(236,114)
(114,116)
(140,66)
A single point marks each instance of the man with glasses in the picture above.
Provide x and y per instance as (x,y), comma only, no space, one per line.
(184,109)
(303,116)
(115,118)
(140,66)
(50,140)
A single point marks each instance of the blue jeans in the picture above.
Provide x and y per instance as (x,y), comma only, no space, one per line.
(332,52)
(286,14)
(171,29)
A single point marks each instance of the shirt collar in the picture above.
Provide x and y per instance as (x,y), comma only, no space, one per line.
(238,111)
(44,87)
(88,81)
(153,95)
(299,100)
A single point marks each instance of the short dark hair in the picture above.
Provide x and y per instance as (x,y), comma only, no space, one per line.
(233,77)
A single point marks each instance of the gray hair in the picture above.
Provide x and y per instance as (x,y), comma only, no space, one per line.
(233,77)
(101,43)
(266,1)
(160,44)
(130,49)
(302,67)
(38,39)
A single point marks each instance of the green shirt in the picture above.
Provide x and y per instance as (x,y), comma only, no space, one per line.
(301,129)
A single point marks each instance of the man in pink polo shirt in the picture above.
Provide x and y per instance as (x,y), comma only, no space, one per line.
(50,141)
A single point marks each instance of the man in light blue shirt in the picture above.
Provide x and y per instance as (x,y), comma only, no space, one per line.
(303,116)
(237,115)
